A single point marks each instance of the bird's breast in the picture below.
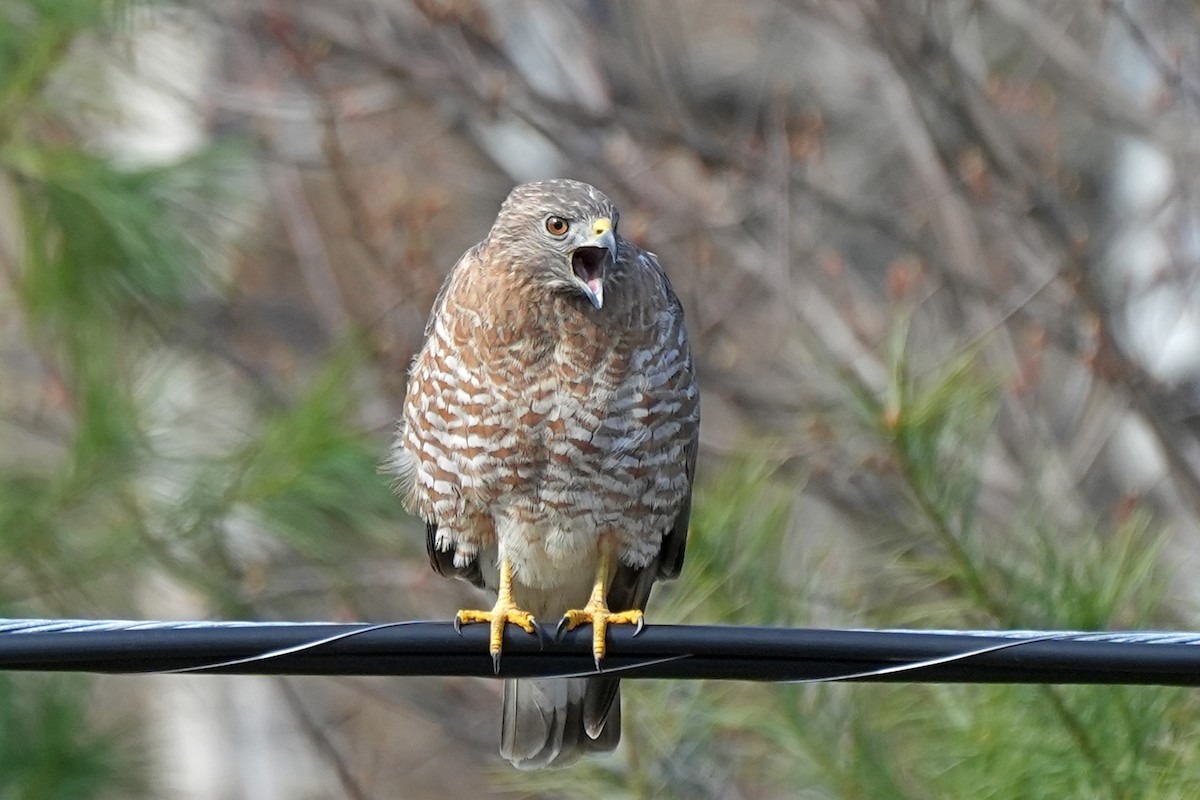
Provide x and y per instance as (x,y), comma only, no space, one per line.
(553,421)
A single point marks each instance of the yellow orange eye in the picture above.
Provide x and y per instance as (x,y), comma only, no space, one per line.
(557,226)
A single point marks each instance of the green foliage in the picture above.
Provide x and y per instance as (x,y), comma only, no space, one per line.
(738,567)
(99,244)
(309,472)
(935,426)
(1096,579)
(50,750)
(307,475)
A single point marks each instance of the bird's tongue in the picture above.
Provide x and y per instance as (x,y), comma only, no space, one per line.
(594,285)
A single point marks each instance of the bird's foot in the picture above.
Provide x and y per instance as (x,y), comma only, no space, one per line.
(505,611)
(597,613)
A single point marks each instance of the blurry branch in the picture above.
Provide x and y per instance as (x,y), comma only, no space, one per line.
(1078,252)
(317,733)
(1078,75)
(313,260)
(739,160)
(348,187)
(1173,77)
(1081,268)
(1154,403)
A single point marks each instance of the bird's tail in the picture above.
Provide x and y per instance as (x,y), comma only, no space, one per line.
(552,721)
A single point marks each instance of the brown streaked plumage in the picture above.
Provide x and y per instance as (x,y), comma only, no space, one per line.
(549,442)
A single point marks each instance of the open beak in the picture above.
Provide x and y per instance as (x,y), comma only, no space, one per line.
(590,260)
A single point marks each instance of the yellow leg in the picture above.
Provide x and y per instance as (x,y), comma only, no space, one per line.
(504,611)
(596,611)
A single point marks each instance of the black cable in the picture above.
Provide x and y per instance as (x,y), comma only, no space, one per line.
(661,651)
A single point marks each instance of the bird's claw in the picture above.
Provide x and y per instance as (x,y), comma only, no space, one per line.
(600,617)
(503,613)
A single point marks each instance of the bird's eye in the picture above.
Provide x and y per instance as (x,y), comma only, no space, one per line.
(556,226)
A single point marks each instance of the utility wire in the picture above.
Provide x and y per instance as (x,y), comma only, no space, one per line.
(660,651)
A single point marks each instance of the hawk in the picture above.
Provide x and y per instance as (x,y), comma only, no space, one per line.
(548,441)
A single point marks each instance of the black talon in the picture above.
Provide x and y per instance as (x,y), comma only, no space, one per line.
(562,627)
(496,663)
(640,626)
(540,633)
(597,660)
(458,624)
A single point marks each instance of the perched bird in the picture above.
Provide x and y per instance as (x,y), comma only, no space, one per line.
(548,441)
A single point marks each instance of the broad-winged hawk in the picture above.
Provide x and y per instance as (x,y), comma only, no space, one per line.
(549,441)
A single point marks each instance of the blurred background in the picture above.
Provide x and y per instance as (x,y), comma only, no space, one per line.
(939,263)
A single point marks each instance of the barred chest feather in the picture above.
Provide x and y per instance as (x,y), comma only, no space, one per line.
(544,422)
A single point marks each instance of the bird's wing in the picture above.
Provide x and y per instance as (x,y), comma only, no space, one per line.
(442,561)
(439,302)
(674,547)
(630,587)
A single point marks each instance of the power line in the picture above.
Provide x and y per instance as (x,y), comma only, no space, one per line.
(661,651)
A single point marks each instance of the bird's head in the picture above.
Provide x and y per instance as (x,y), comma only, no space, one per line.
(564,232)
